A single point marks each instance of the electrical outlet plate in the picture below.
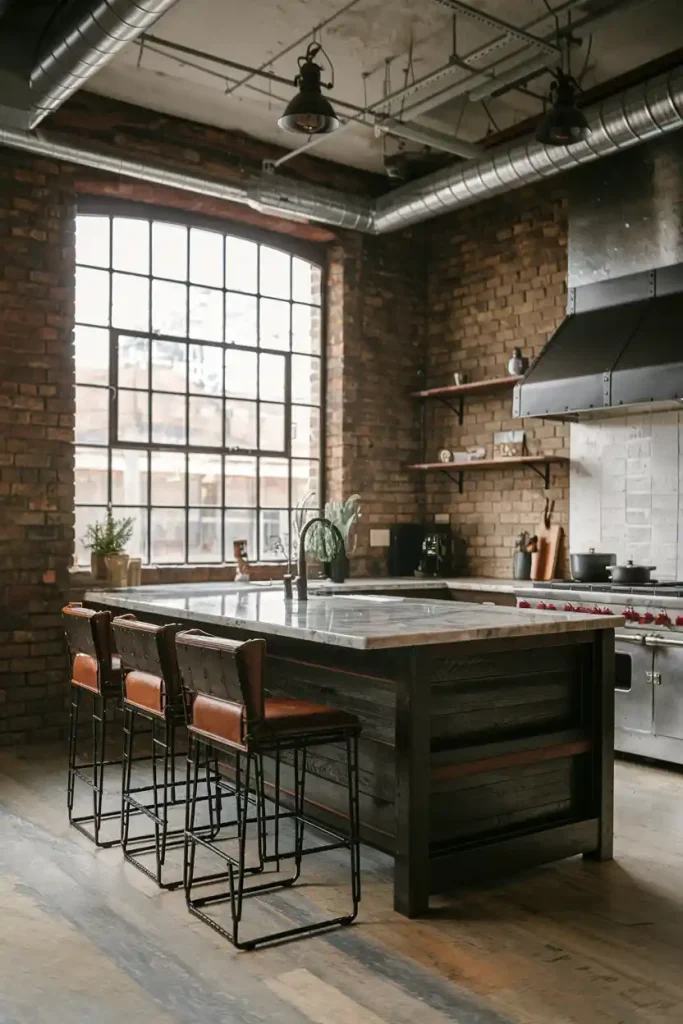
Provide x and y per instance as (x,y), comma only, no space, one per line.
(379,538)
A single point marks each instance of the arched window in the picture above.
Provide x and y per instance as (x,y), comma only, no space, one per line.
(198,384)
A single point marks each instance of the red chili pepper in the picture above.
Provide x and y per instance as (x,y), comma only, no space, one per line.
(595,610)
(663,619)
(569,608)
(607,611)
(525,604)
(632,616)
(679,620)
(541,606)
(647,618)
(552,608)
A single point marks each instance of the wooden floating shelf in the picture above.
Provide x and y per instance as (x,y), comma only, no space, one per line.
(540,464)
(476,387)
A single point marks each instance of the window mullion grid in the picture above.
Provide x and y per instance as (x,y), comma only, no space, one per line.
(259,454)
(113,367)
(258,403)
(224,407)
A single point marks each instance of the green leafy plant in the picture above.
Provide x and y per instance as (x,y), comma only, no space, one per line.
(109,537)
(320,543)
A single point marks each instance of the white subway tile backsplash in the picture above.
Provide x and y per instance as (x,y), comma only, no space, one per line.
(626,486)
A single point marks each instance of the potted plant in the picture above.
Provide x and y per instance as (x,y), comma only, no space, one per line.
(107,541)
(322,544)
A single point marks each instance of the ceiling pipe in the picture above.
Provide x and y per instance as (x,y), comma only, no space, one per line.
(647,110)
(67,62)
(642,112)
(428,137)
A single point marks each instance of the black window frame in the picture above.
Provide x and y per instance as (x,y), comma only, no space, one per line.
(314,253)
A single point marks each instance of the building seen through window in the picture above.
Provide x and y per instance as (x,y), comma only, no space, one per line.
(198,387)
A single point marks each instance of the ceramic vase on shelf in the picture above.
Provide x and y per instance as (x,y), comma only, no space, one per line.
(117,570)
(134,572)
(518,364)
(98,566)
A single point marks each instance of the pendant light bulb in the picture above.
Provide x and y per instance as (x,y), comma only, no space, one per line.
(309,113)
(565,123)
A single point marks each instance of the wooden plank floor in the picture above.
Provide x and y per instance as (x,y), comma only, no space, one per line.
(85,938)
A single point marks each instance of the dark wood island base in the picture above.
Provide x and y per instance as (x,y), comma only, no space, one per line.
(477,758)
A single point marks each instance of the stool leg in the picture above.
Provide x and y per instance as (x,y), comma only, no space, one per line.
(161,846)
(299,794)
(99,736)
(127,766)
(237,910)
(73,744)
(192,781)
(354,819)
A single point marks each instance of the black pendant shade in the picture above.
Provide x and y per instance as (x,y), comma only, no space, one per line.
(309,113)
(564,123)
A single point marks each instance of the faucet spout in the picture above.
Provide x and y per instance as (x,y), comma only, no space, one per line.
(301,580)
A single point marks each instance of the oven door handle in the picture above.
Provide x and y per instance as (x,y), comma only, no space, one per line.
(660,641)
(630,638)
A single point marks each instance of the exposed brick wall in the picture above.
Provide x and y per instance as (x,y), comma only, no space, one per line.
(376,315)
(497,277)
(36,456)
(37,203)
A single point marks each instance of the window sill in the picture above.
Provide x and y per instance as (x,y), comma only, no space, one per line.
(186,573)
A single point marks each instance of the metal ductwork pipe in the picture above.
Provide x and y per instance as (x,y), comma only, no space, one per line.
(87,156)
(66,63)
(640,113)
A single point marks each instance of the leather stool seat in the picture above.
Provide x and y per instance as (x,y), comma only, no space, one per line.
(84,673)
(216,719)
(145,690)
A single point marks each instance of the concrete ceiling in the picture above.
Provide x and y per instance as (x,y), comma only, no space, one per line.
(369,46)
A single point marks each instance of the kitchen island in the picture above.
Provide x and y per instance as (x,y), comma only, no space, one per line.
(487,739)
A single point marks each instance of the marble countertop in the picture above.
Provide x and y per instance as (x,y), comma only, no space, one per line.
(364,622)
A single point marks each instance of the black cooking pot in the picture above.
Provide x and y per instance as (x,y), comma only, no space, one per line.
(631,573)
(591,566)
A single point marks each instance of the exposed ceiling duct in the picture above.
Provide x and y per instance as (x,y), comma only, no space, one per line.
(652,108)
(633,116)
(70,57)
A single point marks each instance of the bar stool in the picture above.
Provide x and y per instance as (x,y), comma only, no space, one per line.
(224,682)
(95,670)
(151,693)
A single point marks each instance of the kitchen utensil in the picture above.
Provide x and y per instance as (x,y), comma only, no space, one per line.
(630,573)
(444,455)
(591,566)
(549,537)
(522,541)
(521,565)
(532,546)
(460,378)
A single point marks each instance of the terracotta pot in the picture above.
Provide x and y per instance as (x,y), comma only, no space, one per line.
(98,567)
(117,570)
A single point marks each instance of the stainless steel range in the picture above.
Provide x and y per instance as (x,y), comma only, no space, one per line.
(649,657)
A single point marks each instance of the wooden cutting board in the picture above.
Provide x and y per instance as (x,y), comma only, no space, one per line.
(544,562)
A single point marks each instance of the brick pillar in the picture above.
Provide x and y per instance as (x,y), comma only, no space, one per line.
(36,442)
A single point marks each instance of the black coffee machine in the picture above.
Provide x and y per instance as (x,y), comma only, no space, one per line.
(442,553)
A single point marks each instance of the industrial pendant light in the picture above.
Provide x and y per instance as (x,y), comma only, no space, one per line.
(564,123)
(309,113)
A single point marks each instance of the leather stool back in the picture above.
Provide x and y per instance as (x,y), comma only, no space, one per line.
(149,664)
(223,680)
(91,648)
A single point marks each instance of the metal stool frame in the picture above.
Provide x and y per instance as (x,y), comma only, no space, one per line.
(249,761)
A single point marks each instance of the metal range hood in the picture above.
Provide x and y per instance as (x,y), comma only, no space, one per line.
(621,346)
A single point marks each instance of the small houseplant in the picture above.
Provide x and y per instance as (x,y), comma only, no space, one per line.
(106,539)
(321,543)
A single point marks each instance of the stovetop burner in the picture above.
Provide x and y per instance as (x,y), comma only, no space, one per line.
(670,588)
